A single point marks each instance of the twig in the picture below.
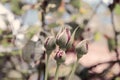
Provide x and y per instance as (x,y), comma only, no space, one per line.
(94,12)
(44,6)
(104,63)
(115,34)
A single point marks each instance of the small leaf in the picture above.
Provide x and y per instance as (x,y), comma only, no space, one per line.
(97,36)
(117,9)
(75,3)
(72,38)
(111,44)
(52,25)
(15,5)
(31,31)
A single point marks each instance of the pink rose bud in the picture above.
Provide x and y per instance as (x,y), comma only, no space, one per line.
(50,44)
(81,48)
(63,38)
(60,56)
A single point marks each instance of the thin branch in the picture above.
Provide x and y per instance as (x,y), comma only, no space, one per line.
(113,26)
(112,62)
(85,71)
(94,12)
(118,32)
(44,6)
(115,37)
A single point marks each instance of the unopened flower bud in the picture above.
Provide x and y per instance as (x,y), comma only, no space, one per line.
(81,48)
(50,44)
(60,56)
(63,38)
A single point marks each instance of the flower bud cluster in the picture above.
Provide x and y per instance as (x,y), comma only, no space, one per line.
(64,39)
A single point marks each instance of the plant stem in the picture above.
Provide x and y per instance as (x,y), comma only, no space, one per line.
(46,69)
(57,70)
(73,70)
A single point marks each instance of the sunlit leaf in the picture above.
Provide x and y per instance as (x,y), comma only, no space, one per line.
(97,36)
(1,54)
(75,3)
(117,9)
(15,6)
(117,78)
(52,25)
(31,31)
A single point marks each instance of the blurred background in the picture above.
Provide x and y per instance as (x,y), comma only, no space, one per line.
(25,24)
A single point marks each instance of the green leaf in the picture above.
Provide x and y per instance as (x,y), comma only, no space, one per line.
(52,25)
(31,31)
(74,17)
(117,9)
(5,43)
(117,78)
(75,3)
(16,52)
(111,44)
(15,6)
(69,45)
(4,1)
(1,31)
(97,36)
(1,54)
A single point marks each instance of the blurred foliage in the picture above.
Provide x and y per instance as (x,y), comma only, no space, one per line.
(16,6)
(75,3)
(53,25)
(97,36)
(31,31)
(117,9)
(4,1)
(117,78)
(54,5)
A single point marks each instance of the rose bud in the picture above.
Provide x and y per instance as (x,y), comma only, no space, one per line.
(50,44)
(63,38)
(60,56)
(81,48)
